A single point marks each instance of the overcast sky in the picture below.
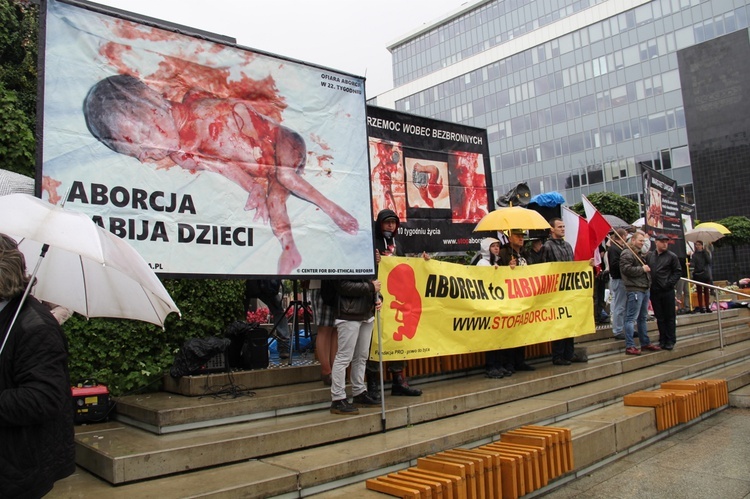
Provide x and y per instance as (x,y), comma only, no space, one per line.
(347,35)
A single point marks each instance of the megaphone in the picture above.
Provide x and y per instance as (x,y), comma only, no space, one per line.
(517,196)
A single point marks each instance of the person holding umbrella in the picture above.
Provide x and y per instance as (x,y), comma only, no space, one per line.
(37,444)
(701,267)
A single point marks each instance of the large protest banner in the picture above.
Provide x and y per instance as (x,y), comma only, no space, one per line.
(435,175)
(663,214)
(432,308)
(209,158)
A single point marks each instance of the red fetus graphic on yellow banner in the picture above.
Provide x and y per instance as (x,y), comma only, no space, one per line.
(407,301)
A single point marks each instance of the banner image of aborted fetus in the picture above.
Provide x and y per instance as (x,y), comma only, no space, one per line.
(426,185)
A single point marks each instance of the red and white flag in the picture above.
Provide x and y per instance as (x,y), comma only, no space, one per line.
(577,234)
(598,225)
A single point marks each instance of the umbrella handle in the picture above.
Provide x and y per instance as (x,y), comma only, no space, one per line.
(26,292)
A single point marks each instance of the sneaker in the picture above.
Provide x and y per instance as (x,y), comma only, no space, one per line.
(525,367)
(560,362)
(651,348)
(619,336)
(343,407)
(494,374)
(364,400)
(632,351)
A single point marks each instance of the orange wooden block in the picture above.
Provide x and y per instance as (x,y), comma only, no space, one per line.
(700,385)
(531,474)
(457,483)
(540,457)
(446,483)
(512,473)
(546,440)
(565,441)
(474,466)
(453,468)
(435,486)
(662,402)
(497,475)
(491,468)
(393,489)
(718,393)
(425,491)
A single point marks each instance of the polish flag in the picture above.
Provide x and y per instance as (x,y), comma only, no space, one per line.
(598,225)
(577,234)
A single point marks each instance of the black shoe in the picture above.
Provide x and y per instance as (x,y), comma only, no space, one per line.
(579,358)
(364,400)
(525,367)
(619,336)
(510,368)
(283,347)
(667,347)
(561,362)
(343,407)
(494,374)
(401,388)
(373,389)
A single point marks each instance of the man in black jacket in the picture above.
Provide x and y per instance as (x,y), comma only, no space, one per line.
(665,272)
(36,406)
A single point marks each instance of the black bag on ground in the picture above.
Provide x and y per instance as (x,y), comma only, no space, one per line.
(249,346)
(195,353)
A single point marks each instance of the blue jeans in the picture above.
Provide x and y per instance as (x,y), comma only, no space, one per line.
(619,303)
(636,312)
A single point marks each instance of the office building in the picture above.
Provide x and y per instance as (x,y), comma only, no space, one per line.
(575,94)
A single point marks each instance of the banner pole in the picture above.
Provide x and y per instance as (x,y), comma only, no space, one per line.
(380,370)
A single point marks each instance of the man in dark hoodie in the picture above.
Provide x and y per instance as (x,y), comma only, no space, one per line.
(386,226)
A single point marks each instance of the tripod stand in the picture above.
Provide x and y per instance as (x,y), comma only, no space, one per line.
(295,305)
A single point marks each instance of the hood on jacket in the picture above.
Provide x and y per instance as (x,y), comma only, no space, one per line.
(484,246)
(387,213)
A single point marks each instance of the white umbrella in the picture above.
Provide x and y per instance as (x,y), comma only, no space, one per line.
(86,269)
(11,182)
(639,223)
(707,235)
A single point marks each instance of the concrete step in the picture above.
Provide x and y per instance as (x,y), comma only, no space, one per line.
(122,453)
(598,434)
(281,390)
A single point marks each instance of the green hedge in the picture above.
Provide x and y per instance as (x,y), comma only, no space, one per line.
(129,356)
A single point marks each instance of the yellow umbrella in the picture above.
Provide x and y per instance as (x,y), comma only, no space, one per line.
(714,225)
(513,217)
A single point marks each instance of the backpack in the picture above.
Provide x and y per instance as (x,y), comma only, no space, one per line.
(328,293)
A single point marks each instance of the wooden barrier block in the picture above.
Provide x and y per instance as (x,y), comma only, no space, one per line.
(700,385)
(435,486)
(531,473)
(512,479)
(547,440)
(718,392)
(474,466)
(425,491)
(566,443)
(687,403)
(497,475)
(491,469)
(458,487)
(453,468)
(662,402)
(539,456)
(401,491)
(446,484)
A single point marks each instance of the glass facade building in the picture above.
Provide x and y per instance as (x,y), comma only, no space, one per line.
(574,94)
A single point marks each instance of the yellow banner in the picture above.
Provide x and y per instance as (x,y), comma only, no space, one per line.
(433,308)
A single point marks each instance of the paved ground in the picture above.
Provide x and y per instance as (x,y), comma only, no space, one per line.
(710,459)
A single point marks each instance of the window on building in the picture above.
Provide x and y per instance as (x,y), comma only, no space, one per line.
(680,157)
